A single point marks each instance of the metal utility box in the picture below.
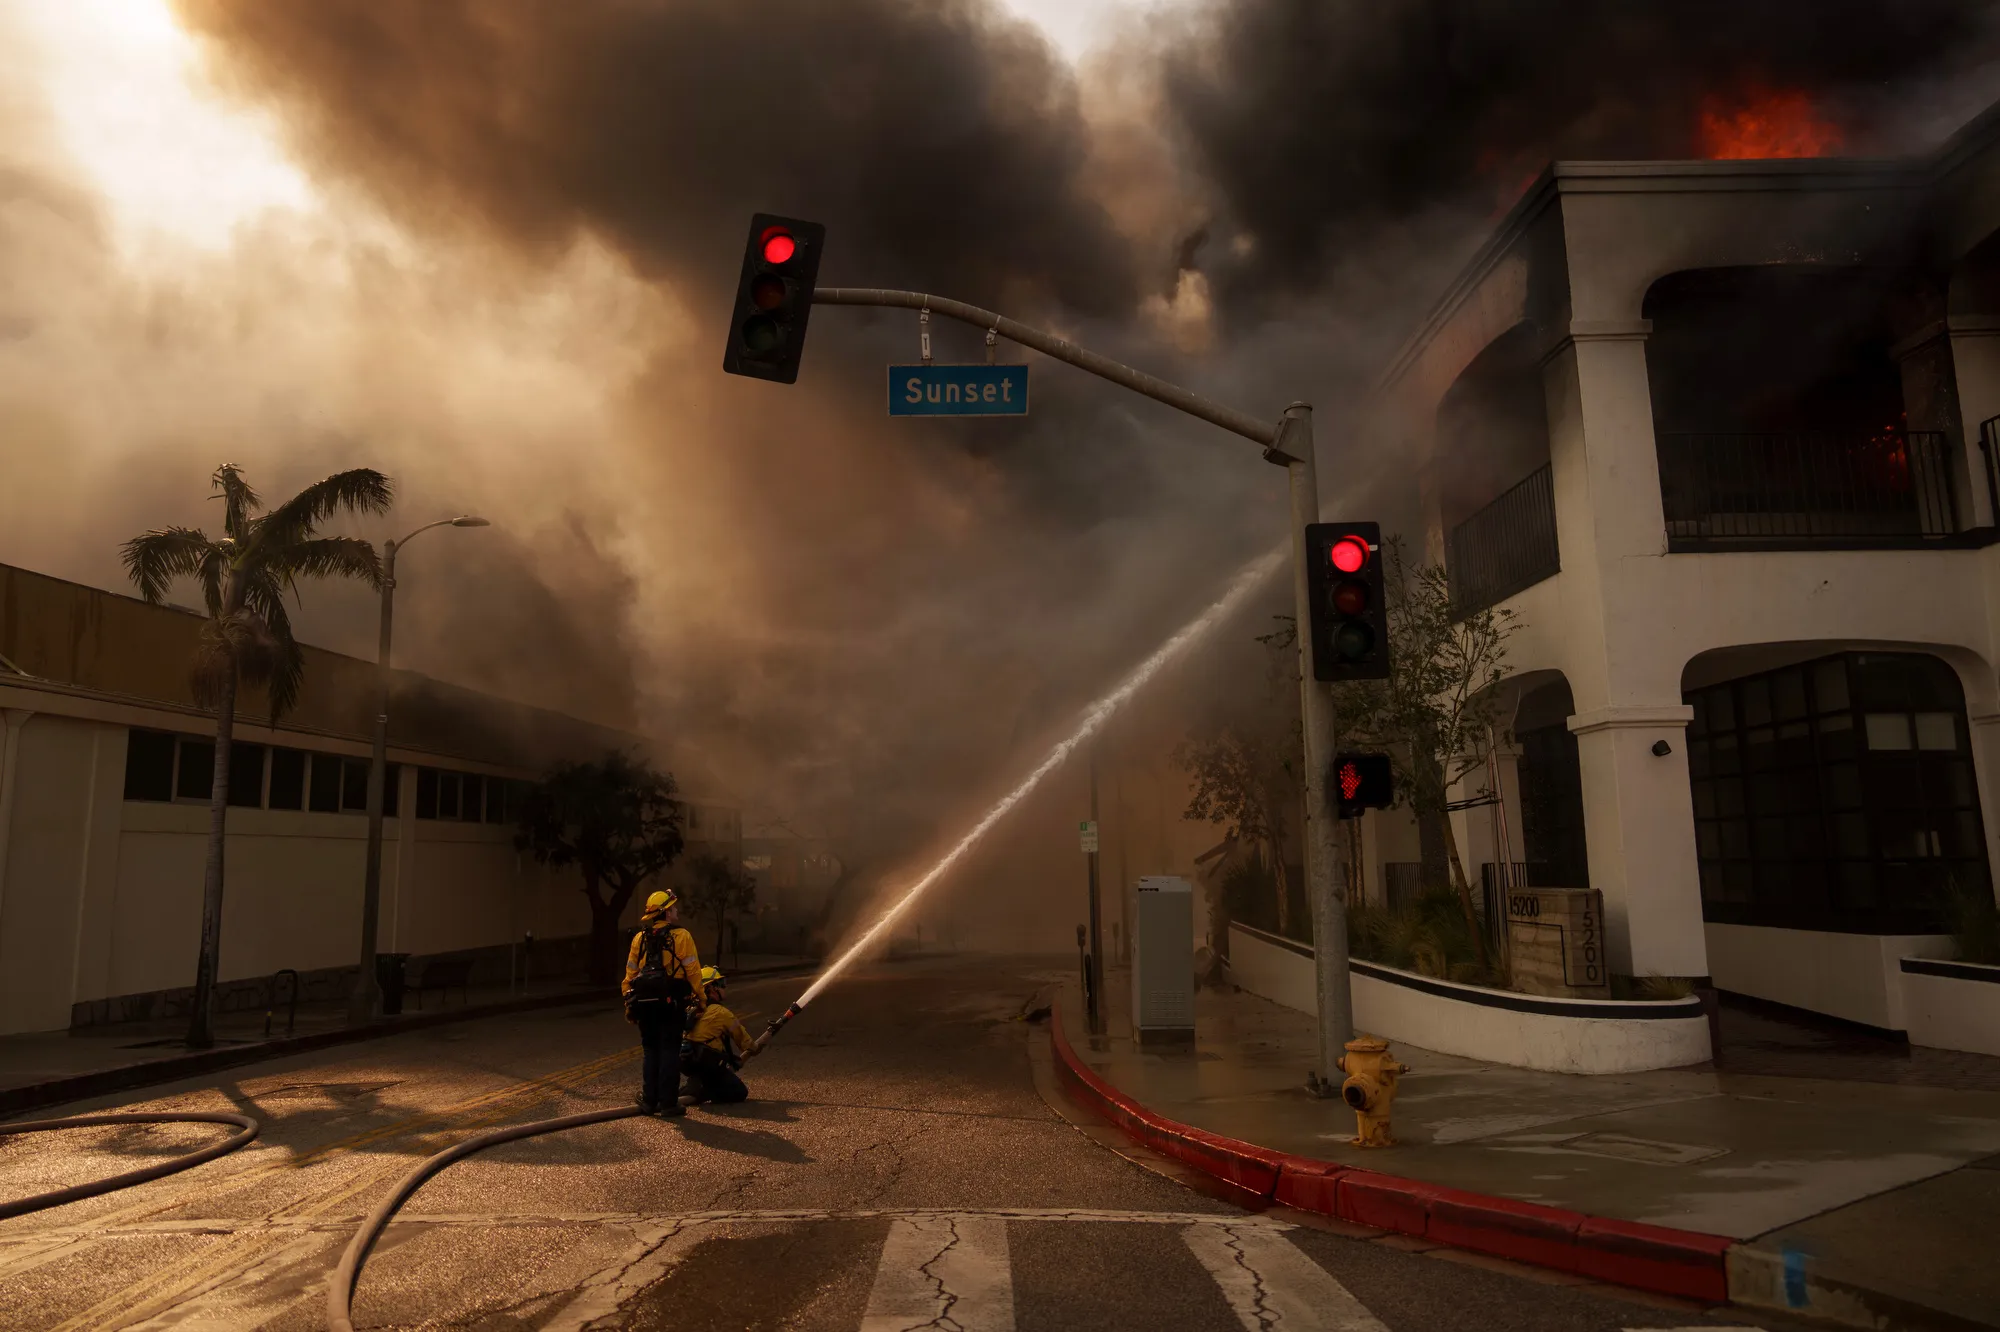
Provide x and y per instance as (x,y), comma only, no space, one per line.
(1163,960)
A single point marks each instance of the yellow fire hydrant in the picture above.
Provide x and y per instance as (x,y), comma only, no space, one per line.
(1370,1089)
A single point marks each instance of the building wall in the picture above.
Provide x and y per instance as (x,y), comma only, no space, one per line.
(100,897)
(1624,619)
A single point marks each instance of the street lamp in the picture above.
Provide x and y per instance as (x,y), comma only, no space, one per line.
(365,1002)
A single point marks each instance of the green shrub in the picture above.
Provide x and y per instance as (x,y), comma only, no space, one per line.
(1430,937)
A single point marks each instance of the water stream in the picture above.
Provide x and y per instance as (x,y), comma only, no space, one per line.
(1092,721)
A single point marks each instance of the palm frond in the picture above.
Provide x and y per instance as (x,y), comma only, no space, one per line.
(281,665)
(241,643)
(154,559)
(326,557)
(357,490)
(239,501)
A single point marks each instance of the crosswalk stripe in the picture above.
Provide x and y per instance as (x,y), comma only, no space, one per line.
(943,1272)
(1273,1287)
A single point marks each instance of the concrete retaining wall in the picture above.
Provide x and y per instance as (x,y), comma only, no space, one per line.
(1526,1031)
(1952,1005)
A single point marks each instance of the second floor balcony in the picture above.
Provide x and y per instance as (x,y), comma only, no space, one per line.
(1889,488)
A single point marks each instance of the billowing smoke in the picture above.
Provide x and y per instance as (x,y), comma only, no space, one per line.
(1320,124)
(511,296)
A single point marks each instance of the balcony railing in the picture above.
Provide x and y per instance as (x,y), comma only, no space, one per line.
(1890,488)
(1507,546)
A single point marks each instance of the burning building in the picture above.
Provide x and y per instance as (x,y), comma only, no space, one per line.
(1722,434)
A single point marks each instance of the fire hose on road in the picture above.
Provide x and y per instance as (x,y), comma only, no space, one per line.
(77,1192)
(347,1275)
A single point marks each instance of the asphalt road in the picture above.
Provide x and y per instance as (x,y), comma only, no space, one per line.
(904,1163)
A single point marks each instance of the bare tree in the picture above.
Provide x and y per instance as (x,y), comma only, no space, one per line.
(1434,712)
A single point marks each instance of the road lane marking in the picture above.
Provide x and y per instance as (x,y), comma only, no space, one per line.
(943,1271)
(1272,1286)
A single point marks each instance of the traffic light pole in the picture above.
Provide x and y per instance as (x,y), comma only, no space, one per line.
(1288,443)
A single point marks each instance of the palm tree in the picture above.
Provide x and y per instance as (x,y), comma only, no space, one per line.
(244,575)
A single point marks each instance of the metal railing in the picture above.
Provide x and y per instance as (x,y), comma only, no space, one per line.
(1888,488)
(1506,547)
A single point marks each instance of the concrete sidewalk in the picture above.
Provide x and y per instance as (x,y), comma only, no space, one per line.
(1864,1201)
(47,1068)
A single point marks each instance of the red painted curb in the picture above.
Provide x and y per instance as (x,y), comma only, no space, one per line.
(1686,1263)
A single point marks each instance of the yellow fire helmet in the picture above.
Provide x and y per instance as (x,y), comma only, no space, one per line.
(661,901)
(710,976)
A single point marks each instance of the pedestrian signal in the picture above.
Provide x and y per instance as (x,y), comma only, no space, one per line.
(767,331)
(1350,629)
(1360,782)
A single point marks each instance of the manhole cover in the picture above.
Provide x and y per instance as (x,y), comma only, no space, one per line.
(1646,1150)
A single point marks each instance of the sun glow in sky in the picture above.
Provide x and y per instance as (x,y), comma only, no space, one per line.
(126,89)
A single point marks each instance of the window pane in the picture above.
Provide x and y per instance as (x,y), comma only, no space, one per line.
(1795,745)
(1850,836)
(1729,797)
(196,780)
(471,797)
(1727,759)
(1888,730)
(427,793)
(288,779)
(149,766)
(354,786)
(496,799)
(1970,844)
(447,795)
(1843,786)
(1722,709)
(392,789)
(1707,841)
(325,797)
(1958,781)
(246,775)
(1757,702)
(1704,800)
(1830,685)
(1788,694)
(1735,839)
(1760,749)
(1937,730)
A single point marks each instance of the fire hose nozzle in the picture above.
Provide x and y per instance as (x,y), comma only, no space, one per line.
(790,1012)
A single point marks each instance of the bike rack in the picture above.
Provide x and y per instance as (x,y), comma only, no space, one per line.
(271,1000)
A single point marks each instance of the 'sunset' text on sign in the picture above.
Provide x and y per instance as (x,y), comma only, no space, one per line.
(958,390)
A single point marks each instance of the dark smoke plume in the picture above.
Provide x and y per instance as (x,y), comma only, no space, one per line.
(1320,123)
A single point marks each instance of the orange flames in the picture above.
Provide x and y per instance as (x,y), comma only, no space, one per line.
(1764,123)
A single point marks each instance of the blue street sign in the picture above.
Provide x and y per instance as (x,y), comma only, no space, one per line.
(958,390)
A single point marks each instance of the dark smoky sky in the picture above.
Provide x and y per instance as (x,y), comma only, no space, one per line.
(1318,124)
(831,612)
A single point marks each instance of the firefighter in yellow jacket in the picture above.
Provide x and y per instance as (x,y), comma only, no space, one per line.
(662,986)
(716,1047)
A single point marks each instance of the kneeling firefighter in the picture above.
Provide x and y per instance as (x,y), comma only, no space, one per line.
(716,1047)
(662,984)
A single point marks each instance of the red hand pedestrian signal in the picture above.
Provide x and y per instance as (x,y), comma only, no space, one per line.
(1350,780)
(1361,782)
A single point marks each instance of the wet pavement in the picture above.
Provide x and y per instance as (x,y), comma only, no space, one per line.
(1881,1185)
(906,1162)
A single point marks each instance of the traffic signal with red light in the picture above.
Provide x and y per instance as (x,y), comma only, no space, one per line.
(1360,782)
(1350,629)
(767,330)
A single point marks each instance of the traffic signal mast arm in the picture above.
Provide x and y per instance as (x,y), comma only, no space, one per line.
(1239,423)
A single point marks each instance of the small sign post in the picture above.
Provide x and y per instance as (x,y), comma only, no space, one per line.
(1087,834)
(958,390)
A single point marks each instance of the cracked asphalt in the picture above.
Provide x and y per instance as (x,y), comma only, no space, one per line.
(904,1162)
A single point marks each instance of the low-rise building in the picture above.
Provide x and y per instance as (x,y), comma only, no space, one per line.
(1722,434)
(104,789)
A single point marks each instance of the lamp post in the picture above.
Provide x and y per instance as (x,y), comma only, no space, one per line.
(366,1001)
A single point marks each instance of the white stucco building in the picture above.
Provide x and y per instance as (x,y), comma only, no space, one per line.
(1721,434)
(104,784)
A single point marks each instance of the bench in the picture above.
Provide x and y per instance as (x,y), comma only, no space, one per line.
(444,974)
